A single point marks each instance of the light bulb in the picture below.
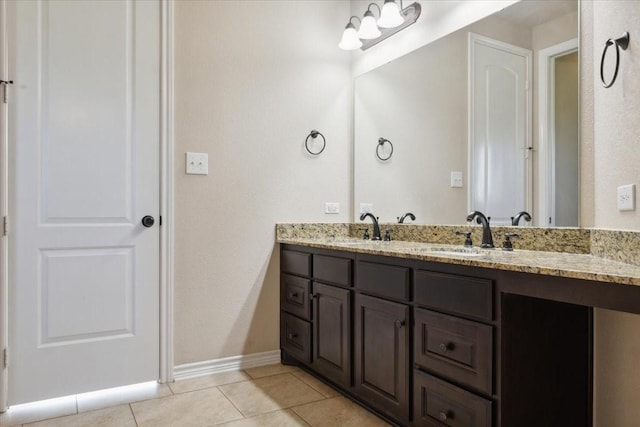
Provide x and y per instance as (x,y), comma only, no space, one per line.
(350,40)
(368,29)
(390,16)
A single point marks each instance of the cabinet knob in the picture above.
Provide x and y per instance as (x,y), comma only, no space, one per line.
(293,336)
(399,323)
(444,416)
(312,296)
(444,347)
(293,295)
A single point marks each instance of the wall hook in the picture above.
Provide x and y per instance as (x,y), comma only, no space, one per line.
(621,42)
(314,134)
(381,142)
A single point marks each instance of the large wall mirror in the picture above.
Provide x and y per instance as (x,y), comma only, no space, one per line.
(485,118)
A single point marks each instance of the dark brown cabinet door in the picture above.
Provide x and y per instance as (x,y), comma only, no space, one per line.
(332,333)
(382,355)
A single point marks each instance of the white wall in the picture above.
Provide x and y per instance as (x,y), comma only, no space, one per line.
(252,78)
(615,160)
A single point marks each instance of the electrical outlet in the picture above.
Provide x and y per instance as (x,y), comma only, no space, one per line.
(197,164)
(366,208)
(332,208)
(627,197)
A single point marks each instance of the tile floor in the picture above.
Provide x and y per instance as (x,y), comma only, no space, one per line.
(274,395)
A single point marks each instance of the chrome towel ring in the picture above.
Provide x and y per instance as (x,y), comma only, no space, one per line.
(620,42)
(381,142)
(314,134)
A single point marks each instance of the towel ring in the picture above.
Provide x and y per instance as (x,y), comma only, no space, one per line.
(314,134)
(620,42)
(381,142)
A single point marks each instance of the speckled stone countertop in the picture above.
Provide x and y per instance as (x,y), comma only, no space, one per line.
(571,265)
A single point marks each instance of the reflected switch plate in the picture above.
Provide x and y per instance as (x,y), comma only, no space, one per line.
(456,179)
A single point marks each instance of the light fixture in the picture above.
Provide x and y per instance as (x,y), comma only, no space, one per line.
(350,40)
(390,16)
(368,28)
(390,22)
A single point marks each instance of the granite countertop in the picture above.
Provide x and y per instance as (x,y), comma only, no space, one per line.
(577,266)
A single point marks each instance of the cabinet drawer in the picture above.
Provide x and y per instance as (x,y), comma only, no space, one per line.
(458,349)
(295,262)
(295,337)
(438,403)
(332,269)
(384,280)
(467,296)
(294,295)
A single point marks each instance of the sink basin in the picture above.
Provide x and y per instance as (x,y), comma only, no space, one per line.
(452,251)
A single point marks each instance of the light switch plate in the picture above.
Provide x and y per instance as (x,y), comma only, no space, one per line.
(456,179)
(627,197)
(197,163)
(332,208)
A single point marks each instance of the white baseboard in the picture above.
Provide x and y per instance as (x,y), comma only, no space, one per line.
(227,364)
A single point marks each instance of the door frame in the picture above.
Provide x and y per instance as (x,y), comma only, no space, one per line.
(546,125)
(473,40)
(166,208)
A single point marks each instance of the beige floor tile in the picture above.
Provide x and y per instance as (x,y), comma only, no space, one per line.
(32,412)
(194,409)
(284,418)
(269,394)
(338,411)
(208,381)
(268,370)
(120,395)
(316,384)
(117,416)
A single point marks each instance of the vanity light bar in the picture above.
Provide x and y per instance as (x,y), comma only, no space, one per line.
(371,34)
(410,15)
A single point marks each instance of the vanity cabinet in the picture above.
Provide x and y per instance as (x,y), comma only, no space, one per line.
(315,321)
(426,343)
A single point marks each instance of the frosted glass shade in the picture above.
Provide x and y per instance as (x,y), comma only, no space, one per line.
(350,40)
(390,16)
(369,29)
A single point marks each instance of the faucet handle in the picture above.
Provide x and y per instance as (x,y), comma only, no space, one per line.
(508,245)
(366,233)
(387,235)
(467,242)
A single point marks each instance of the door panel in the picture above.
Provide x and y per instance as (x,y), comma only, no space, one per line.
(84,140)
(499,129)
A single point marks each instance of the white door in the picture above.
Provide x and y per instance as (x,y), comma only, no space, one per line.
(84,150)
(499,128)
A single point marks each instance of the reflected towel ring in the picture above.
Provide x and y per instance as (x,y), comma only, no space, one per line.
(620,42)
(314,134)
(381,142)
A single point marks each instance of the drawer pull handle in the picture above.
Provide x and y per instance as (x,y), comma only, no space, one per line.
(399,323)
(312,296)
(444,416)
(293,336)
(293,295)
(445,347)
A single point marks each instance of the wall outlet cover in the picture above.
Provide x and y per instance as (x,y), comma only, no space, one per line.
(627,197)
(366,208)
(332,208)
(456,179)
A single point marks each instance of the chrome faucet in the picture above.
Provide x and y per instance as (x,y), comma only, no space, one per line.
(408,214)
(515,220)
(376,227)
(487,238)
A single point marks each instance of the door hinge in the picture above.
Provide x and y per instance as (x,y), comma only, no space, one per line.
(5,358)
(160,220)
(5,84)
(5,226)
